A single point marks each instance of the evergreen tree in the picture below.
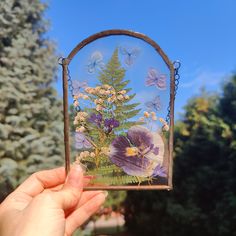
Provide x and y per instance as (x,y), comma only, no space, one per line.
(203,200)
(31,127)
(113,74)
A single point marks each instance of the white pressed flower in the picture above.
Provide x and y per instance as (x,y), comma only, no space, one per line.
(120,97)
(86,153)
(166,127)
(123,92)
(85,97)
(141,119)
(99,108)
(81,129)
(75,122)
(154,118)
(108,92)
(92,154)
(102,91)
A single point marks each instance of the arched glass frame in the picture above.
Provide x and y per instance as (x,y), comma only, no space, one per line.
(133,149)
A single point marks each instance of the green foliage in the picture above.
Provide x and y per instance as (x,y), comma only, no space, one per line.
(113,74)
(31,127)
(110,100)
(203,201)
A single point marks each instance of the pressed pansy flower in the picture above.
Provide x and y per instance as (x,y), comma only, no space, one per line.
(110,124)
(138,153)
(160,171)
(81,141)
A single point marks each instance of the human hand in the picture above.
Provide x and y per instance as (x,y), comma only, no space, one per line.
(49,204)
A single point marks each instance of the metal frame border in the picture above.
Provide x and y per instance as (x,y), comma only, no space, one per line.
(65,63)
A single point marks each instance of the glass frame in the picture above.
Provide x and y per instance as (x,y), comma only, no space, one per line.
(65,63)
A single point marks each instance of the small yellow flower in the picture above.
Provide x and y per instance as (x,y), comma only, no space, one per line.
(146,114)
(99,107)
(120,97)
(154,118)
(166,127)
(85,97)
(75,122)
(131,151)
(108,92)
(80,129)
(92,154)
(126,97)
(141,119)
(86,153)
(162,120)
(102,91)
(105,150)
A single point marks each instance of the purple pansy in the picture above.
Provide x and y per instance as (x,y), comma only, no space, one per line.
(96,119)
(139,153)
(81,141)
(110,124)
(160,171)
(154,78)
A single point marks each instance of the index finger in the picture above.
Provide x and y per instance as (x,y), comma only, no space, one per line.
(41,180)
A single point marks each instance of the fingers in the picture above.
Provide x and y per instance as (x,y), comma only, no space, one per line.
(79,216)
(41,180)
(70,194)
(85,197)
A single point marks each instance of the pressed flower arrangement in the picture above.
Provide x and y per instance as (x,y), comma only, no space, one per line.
(123,104)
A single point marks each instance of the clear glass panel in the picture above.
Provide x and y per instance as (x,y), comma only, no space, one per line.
(120,100)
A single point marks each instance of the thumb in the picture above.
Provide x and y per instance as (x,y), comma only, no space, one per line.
(70,194)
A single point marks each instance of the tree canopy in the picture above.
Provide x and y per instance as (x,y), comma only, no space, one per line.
(203,201)
(31,128)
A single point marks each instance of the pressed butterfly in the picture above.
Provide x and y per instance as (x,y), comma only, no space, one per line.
(155,104)
(130,55)
(95,62)
(77,86)
(81,141)
(154,78)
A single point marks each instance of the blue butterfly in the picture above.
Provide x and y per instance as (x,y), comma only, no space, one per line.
(95,62)
(130,55)
(155,104)
(77,86)
(155,78)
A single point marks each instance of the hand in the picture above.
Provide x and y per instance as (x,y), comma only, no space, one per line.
(42,205)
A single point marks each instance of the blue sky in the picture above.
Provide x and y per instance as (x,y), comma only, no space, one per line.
(201,34)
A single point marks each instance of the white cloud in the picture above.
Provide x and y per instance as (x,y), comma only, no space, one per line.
(201,78)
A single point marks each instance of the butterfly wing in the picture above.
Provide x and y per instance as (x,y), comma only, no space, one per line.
(95,62)
(151,77)
(161,82)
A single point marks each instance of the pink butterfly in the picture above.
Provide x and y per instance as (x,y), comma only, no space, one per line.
(154,78)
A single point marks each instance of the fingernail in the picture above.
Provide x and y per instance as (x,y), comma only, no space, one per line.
(105,193)
(78,167)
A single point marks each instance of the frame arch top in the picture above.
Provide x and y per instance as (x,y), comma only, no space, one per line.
(113,32)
